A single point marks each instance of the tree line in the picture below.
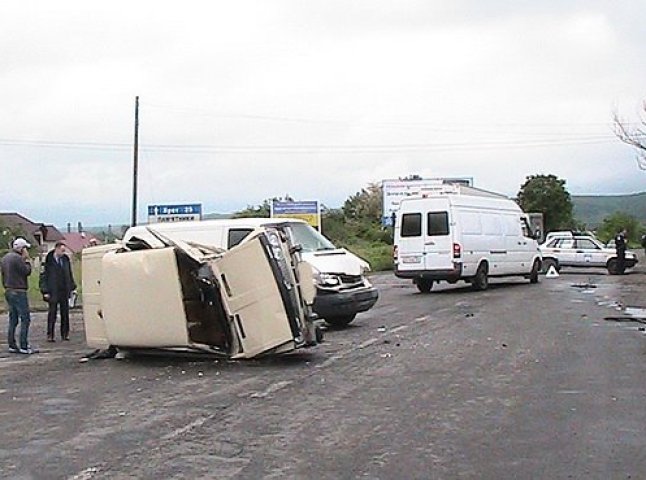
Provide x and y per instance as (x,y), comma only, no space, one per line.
(356,225)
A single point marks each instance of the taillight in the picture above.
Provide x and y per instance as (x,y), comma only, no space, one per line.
(395,252)
(457,250)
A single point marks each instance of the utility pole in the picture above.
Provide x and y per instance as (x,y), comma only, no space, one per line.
(135,164)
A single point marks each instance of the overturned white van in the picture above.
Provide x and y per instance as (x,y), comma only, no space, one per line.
(342,289)
(462,233)
(252,300)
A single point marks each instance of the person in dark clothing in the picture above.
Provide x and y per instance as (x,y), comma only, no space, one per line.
(16,267)
(644,242)
(56,284)
(620,245)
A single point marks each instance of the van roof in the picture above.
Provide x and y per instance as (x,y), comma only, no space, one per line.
(231,222)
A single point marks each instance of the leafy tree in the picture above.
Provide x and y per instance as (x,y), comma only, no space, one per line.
(547,194)
(365,205)
(615,222)
(7,235)
(633,135)
(260,211)
(255,211)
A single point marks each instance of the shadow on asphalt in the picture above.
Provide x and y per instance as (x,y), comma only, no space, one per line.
(458,289)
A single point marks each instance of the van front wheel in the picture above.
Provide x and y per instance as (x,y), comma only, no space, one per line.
(424,285)
(481,279)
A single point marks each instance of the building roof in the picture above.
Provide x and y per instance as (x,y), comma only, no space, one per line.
(78,241)
(52,234)
(24,226)
(35,232)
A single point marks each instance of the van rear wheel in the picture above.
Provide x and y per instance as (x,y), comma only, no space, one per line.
(481,279)
(424,285)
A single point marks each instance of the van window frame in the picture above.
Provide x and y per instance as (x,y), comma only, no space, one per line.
(446,230)
(232,242)
(417,231)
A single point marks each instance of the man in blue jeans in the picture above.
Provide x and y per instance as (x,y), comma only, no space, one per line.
(16,267)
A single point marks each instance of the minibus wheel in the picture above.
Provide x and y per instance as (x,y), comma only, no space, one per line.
(481,279)
(533,275)
(424,285)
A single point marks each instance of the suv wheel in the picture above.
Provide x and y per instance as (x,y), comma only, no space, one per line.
(340,321)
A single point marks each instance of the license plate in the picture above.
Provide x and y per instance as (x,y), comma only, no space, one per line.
(411,259)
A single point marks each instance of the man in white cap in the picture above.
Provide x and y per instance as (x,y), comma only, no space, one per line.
(16,267)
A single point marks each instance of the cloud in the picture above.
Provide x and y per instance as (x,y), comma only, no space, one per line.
(241,101)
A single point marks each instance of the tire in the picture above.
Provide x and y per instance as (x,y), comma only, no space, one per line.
(533,275)
(480,281)
(612,266)
(550,262)
(424,285)
(340,321)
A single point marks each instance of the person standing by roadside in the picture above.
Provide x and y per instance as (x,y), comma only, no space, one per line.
(644,242)
(620,245)
(56,284)
(16,267)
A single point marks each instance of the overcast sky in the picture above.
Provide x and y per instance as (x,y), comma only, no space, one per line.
(246,100)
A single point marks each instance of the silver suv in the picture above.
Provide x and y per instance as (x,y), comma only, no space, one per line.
(572,250)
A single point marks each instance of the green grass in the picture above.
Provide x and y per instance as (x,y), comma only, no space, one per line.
(379,255)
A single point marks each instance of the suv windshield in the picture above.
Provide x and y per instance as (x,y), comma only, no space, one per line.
(309,239)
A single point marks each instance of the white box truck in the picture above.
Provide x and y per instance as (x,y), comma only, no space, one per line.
(463,233)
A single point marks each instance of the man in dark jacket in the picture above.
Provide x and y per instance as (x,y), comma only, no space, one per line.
(620,245)
(56,284)
(16,267)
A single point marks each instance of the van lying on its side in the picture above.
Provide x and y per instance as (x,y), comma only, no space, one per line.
(342,289)
(463,233)
(252,300)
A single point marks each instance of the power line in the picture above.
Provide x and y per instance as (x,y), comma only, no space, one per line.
(319,148)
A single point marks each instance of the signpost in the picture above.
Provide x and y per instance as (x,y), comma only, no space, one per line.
(174,213)
(308,210)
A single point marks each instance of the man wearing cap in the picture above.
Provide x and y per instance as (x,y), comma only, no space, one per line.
(16,267)
(56,284)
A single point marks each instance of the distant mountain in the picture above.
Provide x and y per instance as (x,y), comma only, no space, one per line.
(216,216)
(592,209)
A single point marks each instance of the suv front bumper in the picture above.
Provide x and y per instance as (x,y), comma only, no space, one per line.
(338,304)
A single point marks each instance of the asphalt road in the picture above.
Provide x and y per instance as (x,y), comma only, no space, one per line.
(521,381)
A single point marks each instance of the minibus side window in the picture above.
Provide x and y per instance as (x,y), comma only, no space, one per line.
(411,225)
(237,235)
(438,224)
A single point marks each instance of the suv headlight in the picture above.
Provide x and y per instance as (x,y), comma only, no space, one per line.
(326,279)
